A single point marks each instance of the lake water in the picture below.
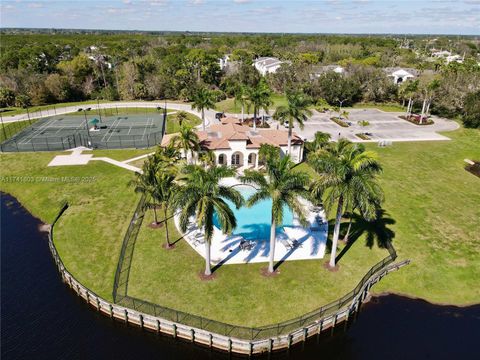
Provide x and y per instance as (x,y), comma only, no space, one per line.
(41,318)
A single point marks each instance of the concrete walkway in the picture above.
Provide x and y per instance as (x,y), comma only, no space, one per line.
(77,158)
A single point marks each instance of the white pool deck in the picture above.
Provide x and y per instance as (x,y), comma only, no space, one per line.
(225,249)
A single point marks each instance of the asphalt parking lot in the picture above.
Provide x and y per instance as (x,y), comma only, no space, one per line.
(383,126)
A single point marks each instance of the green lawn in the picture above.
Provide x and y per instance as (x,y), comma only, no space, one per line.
(173,124)
(393,107)
(432,200)
(240,294)
(89,235)
(229,106)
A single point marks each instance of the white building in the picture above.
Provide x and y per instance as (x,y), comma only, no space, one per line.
(237,145)
(224,61)
(317,71)
(400,75)
(267,65)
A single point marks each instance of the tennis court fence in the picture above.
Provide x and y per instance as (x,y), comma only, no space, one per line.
(59,143)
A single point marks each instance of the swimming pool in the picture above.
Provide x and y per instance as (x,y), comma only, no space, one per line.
(254,223)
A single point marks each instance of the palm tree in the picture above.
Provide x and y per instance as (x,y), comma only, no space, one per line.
(207,158)
(348,177)
(241,95)
(410,90)
(187,140)
(428,91)
(166,190)
(320,141)
(260,98)
(146,183)
(201,195)
(268,152)
(283,186)
(295,110)
(203,99)
(181,117)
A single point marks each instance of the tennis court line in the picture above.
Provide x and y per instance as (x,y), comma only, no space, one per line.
(28,138)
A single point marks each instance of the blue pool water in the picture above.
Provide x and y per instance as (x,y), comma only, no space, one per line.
(254,223)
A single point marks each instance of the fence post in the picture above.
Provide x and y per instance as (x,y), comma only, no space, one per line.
(270,345)
(126,315)
(174,331)
(98,304)
(250,351)
(141,320)
(111,310)
(193,335)
(158,326)
(229,346)
(210,340)
(290,338)
(305,331)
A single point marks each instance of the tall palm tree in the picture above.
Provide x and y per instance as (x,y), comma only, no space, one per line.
(203,99)
(201,195)
(347,177)
(146,183)
(166,190)
(181,117)
(207,158)
(296,110)
(187,140)
(320,141)
(283,186)
(268,152)
(241,96)
(259,97)
(411,89)
(429,91)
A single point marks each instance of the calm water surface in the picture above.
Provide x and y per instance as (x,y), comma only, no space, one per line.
(42,319)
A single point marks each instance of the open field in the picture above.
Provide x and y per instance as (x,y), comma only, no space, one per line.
(431,200)
(173,125)
(393,107)
(89,235)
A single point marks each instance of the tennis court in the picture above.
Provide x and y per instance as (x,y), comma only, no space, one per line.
(96,131)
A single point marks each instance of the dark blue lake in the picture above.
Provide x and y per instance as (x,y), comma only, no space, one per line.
(42,319)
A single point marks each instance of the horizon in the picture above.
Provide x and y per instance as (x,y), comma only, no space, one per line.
(330,17)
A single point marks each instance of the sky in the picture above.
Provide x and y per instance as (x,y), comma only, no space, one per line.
(281,16)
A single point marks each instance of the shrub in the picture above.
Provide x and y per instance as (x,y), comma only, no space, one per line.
(338,121)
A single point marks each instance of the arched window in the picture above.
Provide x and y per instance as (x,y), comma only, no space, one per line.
(251,158)
(236,159)
(221,159)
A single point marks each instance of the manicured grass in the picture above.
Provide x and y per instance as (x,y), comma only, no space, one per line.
(173,125)
(229,106)
(89,235)
(240,294)
(435,205)
(380,106)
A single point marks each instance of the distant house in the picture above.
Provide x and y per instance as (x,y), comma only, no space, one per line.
(223,62)
(400,75)
(454,58)
(237,145)
(441,53)
(448,56)
(267,65)
(317,71)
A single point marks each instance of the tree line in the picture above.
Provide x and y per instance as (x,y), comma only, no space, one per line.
(37,69)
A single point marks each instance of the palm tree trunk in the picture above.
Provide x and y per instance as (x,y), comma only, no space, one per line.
(254,118)
(243,116)
(289,137)
(345,238)
(166,225)
(208,270)
(336,232)
(203,118)
(423,110)
(272,245)
(409,107)
(155,213)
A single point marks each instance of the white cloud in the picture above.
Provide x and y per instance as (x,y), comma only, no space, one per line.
(197,2)
(241,1)
(35,5)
